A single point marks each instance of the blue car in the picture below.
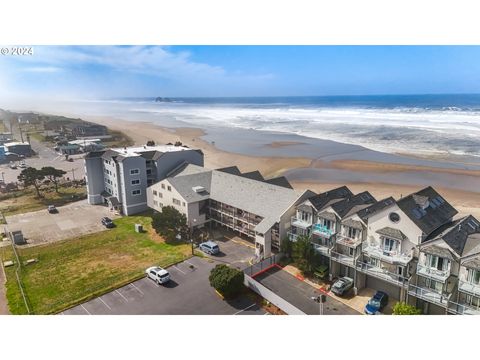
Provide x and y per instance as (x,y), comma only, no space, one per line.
(376,303)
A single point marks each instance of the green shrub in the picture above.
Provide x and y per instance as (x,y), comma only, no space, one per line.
(226,280)
(401,308)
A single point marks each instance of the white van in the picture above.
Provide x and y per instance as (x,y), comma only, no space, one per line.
(158,274)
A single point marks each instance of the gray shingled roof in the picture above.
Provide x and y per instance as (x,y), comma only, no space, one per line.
(428,218)
(353,223)
(462,235)
(392,233)
(342,208)
(320,201)
(258,197)
(365,213)
(438,251)
(327,215)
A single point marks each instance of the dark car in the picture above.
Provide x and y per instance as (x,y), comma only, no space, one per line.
(52,209)
(107,222)
(342,286)
(376,303)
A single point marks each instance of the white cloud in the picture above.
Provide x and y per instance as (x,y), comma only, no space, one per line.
(42,69)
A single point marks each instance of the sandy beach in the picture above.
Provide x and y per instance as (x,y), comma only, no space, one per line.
(341,171)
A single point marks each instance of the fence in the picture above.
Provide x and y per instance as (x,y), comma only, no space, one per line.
(18,271)
(262,290)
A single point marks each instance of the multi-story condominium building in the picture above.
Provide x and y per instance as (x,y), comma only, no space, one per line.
(256,208)
(336,232)
(119,177)
(447,277)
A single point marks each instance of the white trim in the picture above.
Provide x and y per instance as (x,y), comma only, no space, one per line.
(132,184)
(137,204)
(136,169)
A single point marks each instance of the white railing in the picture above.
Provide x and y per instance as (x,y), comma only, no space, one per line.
(462,309)
(347,241)
(381,274)
(435,274)
(322,249)
(429,295)
(300,222)
(390,257)
(469,288)
(292,237)
(342,258)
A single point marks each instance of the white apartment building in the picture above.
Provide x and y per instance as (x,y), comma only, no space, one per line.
(119,177)
(257,208)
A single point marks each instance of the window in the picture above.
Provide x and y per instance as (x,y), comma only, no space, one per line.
(163,186)
(374,262)
(473,276)
(160,204)
(436,262)
(135,182)
(149,171)
(160,195)
(176,201)
(169,188)
(134,171)
(350,251)
(352,233)
(400,270)
(327,224)
(390,245)
(183,203)
(304,216)
(136,192)
(394,217)
(155,203)
(155,193)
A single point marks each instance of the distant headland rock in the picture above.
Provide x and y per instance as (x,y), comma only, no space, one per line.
(162,99)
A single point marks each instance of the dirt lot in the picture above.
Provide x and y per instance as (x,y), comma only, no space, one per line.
(72,220)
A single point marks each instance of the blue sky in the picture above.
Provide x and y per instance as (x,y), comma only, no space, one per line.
(101,71)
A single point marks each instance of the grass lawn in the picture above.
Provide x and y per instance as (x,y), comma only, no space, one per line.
(23,201)
(73,271)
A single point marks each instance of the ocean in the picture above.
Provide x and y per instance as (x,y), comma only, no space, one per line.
(407,124)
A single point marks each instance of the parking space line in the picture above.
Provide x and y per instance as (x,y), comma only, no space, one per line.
(136,288)
(176,267)
(83,307)
(248,307)
(118,292)
(189,263)
(104,303)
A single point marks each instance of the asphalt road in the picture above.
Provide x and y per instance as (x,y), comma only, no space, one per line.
(299,293)
(188,293)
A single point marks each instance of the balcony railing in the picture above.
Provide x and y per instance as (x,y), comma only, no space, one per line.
(342,258)
(390,257)
(321,230)
(432,273)
(469,288)
(304,224)
(381,274)
(462,309)
(429,295)
(292,237)
(348,241)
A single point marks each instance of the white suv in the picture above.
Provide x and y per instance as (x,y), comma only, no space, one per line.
(158,274)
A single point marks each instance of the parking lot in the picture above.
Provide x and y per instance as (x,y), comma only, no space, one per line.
(187,293)
(72,220)
(299,293)
(235,251)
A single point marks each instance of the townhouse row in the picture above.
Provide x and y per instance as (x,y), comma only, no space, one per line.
(411,248)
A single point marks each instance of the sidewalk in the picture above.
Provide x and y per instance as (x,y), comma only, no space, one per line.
(3,298)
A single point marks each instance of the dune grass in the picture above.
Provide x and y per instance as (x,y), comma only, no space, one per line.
(73,271)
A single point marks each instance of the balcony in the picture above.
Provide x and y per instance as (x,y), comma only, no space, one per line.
(429,295)
(322,245)
(342,258)
(391,257)
(432,273)
(462,309)
(297,222)
(381,274)
(347,241)
(292,237)
(321,230)
(469,288)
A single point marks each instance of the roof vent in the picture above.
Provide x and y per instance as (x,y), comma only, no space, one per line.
(198,189)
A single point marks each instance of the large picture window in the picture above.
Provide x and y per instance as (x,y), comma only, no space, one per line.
(390,245)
